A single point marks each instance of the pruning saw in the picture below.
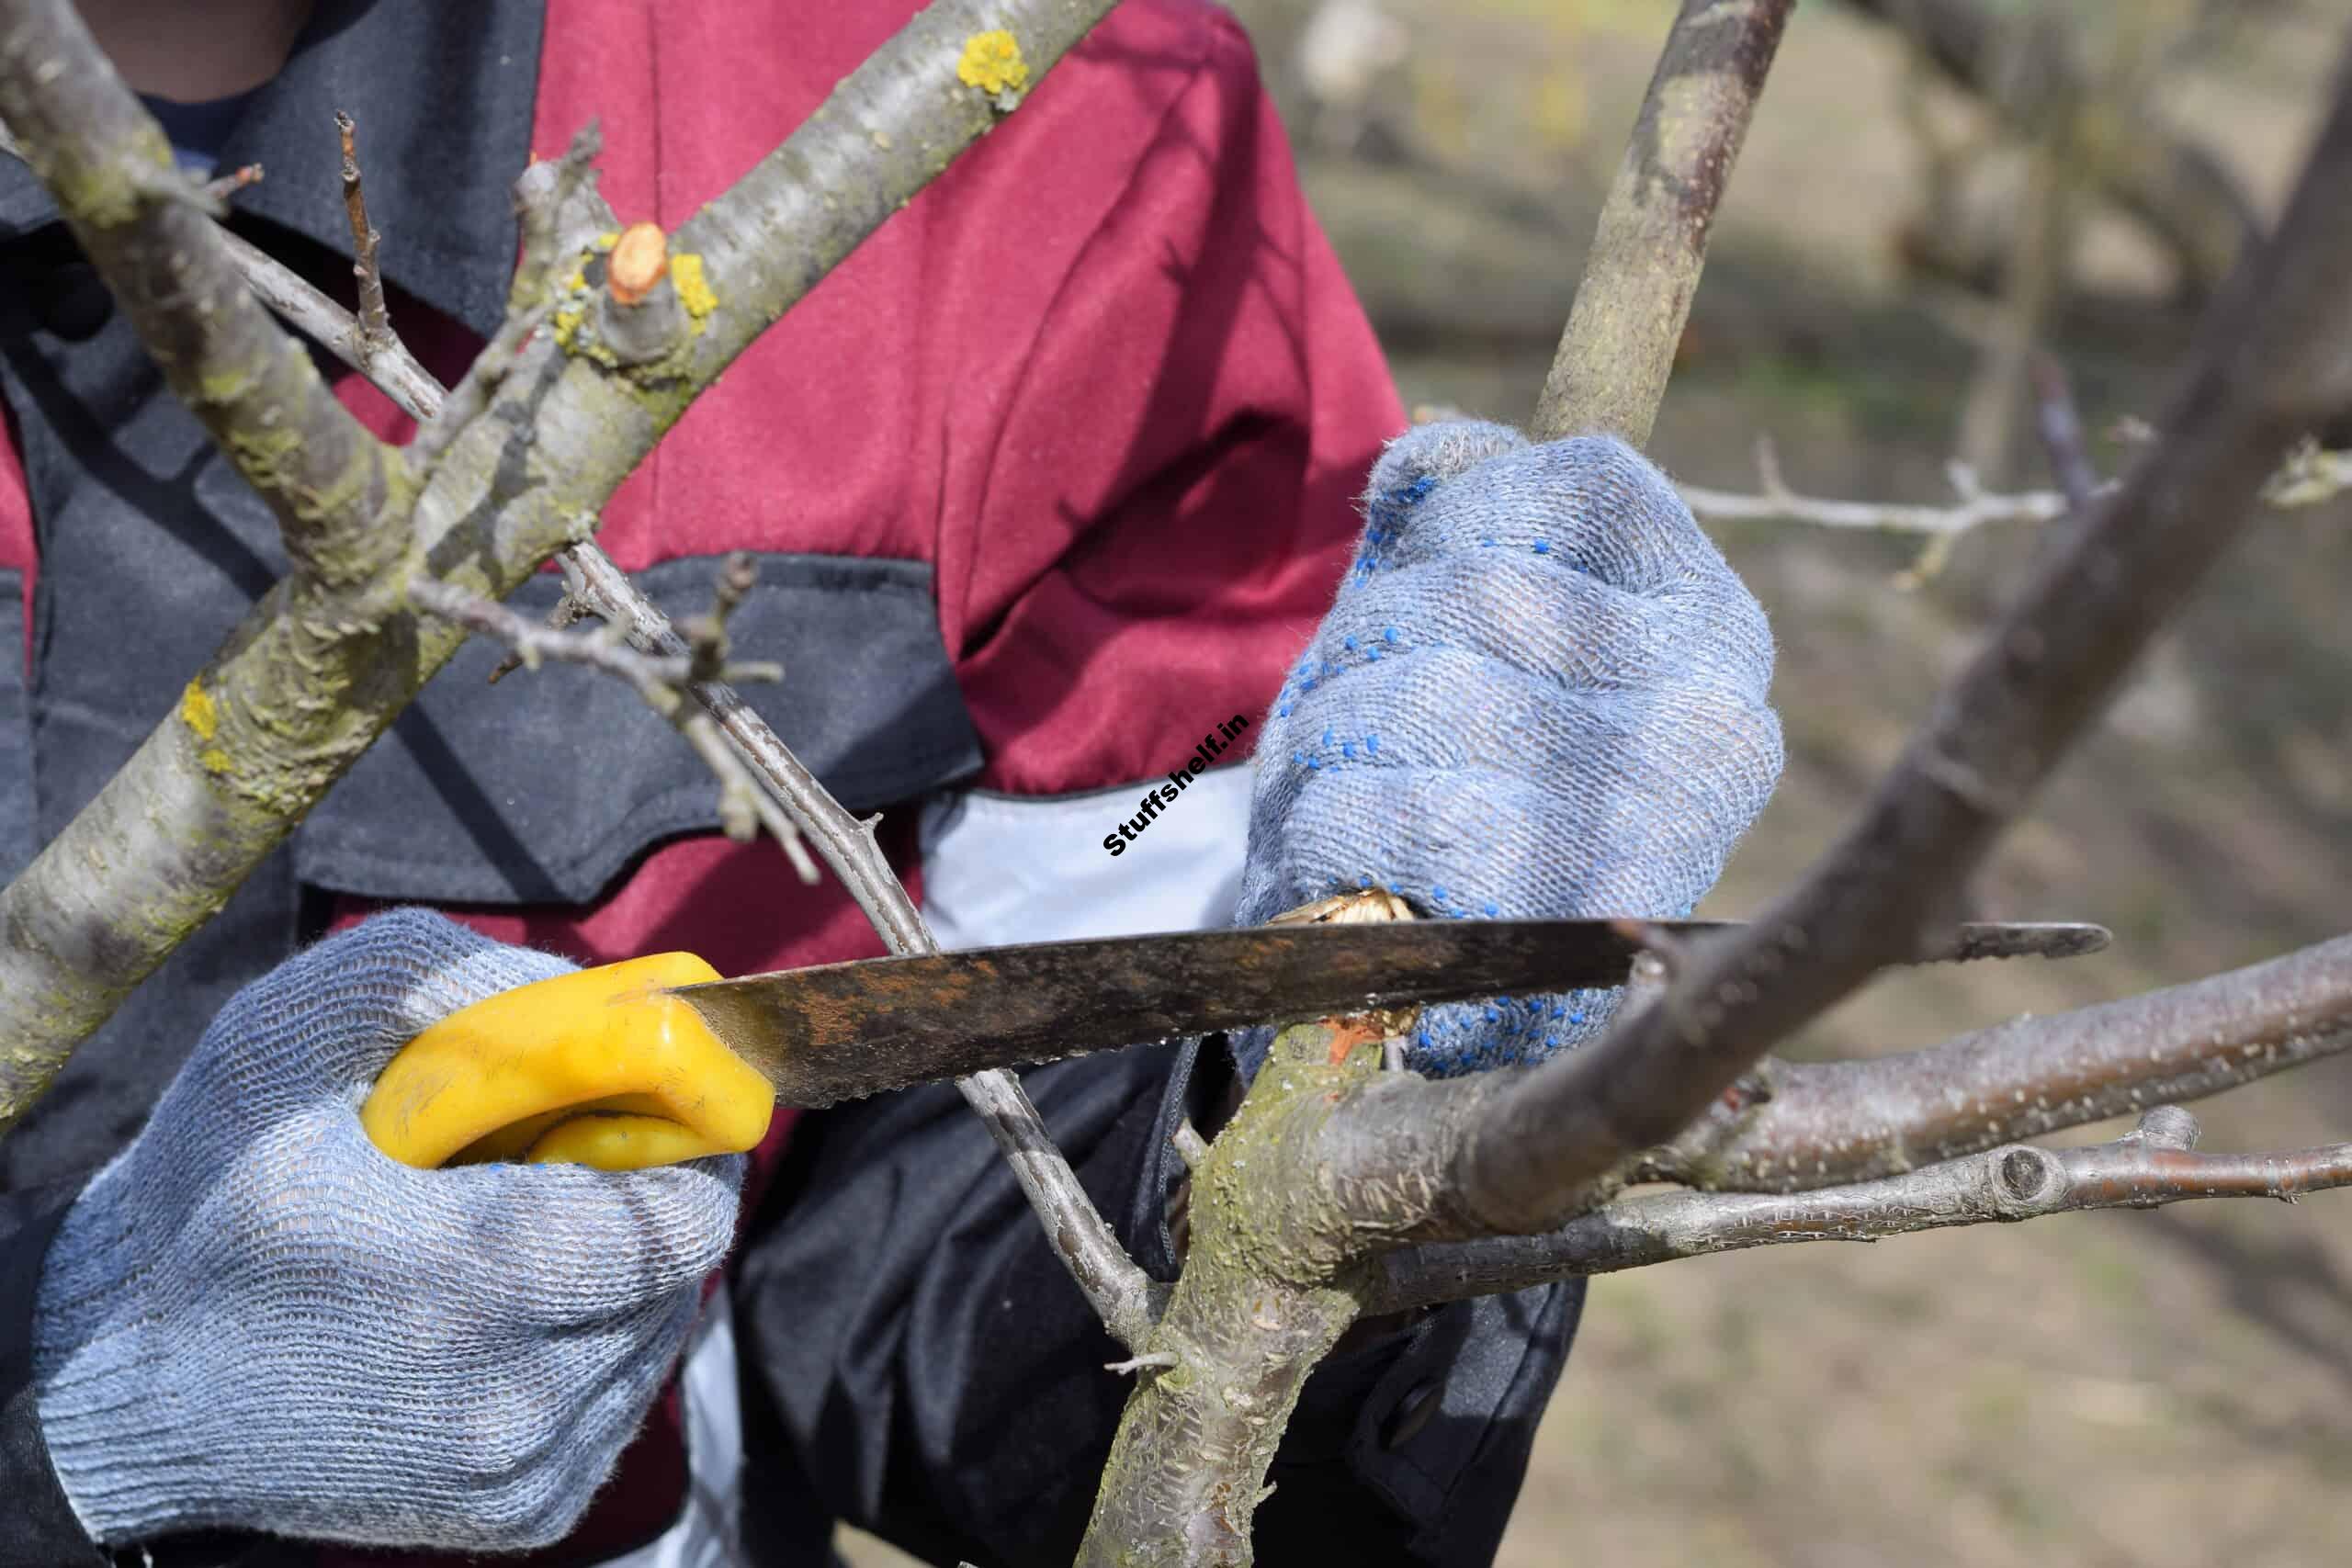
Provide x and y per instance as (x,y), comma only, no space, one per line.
(660,1059)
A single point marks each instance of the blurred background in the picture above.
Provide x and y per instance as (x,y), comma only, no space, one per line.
(1930,187)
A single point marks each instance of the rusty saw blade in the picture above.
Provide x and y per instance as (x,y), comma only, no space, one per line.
(839,1031)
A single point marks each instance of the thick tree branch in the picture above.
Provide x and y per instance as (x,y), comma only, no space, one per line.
(333,487)
(2271,362)
(300,689)
(1643,267)
(1813,1124)
(2145,1170)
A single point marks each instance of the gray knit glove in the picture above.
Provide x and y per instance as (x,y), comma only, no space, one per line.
(1541,693)
(253,1319)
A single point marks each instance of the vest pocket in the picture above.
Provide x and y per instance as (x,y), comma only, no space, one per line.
(545,787)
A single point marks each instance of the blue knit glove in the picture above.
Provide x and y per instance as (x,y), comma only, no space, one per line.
(1541,693)
(253,1319)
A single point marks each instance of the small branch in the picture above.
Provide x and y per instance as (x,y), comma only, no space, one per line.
(223,186)
(1777,502)
(375,324)
(2145,1170)
(2309,476)
(395,371)
(2061,429)
(1837,1121)
(1651,243)
(534,643)
(559,212)
(661,680)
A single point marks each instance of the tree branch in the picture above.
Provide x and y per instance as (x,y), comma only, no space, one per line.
(332,488)
(1777,502)
(2145,1170)
(304,685)
(2270,363)
(1813,1124)
(1646,253)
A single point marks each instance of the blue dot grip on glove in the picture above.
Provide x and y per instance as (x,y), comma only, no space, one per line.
(253,1319)
(1541,693)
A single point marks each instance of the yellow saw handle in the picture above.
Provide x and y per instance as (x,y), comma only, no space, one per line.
(596,1067)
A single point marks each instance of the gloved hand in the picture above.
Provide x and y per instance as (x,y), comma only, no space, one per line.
(253,1319)
(1541,693)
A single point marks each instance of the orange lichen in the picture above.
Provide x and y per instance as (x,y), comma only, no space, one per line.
(992,62)
(639,259)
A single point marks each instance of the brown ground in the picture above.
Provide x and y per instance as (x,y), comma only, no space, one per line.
(2156,1389)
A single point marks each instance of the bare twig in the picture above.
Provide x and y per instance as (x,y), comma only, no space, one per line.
(1643,267)
(2032,271)
(597,650)
(2061,429)
(222,186)
(2270,363)
(1776,502)
(661,680)
(375,324)
(392,368)
(559,212)
(2144,1169)
(1821,1124)
(2309,476)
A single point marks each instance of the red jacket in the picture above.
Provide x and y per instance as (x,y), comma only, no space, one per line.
(1104,378)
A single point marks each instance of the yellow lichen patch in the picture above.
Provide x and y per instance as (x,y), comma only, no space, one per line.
(607,240)
(992,62)
(198,712)
(214,760)
(694,288)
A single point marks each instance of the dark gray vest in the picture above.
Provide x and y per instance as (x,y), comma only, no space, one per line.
(541,790)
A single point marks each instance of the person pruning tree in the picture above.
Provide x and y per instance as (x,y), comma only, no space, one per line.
(1061,470)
